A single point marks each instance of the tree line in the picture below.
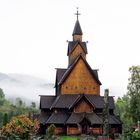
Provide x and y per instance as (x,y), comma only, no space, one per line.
(9,109)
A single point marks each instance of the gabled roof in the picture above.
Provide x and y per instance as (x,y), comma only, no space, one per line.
(65,101)
(98,101)
(93,118)
(68,71)
(46,101)
(112,119)
(58,118)
(81,97)
(73,44)
(77,29)
(68,101)
(76,118)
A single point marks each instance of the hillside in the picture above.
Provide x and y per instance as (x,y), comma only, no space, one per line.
(25,86)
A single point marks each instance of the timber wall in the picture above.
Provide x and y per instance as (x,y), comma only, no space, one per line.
(83,106)
(77,50)
(80,81)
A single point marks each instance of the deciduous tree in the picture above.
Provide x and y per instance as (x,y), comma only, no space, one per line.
(134,92)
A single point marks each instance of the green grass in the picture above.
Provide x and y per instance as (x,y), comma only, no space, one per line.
(67,138)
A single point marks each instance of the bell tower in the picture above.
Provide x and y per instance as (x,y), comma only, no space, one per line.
(77,46)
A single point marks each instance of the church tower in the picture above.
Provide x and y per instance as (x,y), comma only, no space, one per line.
(77,106)
(79,77)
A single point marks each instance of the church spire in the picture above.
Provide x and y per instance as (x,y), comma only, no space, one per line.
(77,32)
(77,29)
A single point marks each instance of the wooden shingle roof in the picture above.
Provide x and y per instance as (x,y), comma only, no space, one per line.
(44,116)
(93,118)
(112,119)
(59,73)
(76,118)
(77,29)
(68,101)
(98,101)
(73,44)
(65,101)
(46,101)
(58,118)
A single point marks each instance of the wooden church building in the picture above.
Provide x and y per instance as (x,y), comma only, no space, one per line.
(77,107)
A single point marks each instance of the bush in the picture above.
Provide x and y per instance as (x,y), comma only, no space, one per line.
(51,130)
(20,126)
(135,136)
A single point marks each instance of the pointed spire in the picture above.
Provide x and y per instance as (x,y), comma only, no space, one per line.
(77,28)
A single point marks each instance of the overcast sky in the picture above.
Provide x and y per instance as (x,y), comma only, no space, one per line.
(33,36)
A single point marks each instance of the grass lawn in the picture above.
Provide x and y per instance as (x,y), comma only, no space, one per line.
(67,138)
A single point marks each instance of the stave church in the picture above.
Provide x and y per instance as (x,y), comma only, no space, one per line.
(77,106)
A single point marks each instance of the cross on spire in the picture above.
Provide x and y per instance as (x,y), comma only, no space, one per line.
(77,14)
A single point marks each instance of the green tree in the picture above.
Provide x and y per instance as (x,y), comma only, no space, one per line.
(5,119)
(2,97)
(134,92)
(122,109)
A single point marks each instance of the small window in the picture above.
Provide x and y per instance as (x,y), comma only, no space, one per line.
(85,88)
(76,87)
(66,87)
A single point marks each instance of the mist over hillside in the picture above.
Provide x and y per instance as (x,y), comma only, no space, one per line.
(26,87)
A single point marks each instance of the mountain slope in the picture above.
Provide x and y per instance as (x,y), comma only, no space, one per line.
(25,86)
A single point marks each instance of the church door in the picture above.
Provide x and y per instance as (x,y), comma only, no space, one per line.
(84,126)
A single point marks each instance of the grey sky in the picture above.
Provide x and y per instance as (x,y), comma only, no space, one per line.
(33,36)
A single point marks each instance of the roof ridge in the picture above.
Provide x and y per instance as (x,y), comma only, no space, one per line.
(55,101)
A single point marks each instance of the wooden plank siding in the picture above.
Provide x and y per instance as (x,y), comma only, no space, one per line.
(77,38)
(77,50)
(83,106)
(80,81)
(73,131)
(59,130)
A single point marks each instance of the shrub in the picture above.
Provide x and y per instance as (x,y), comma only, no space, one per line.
(51,130)
(20,126)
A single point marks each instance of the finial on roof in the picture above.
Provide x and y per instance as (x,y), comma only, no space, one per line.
(77,14)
